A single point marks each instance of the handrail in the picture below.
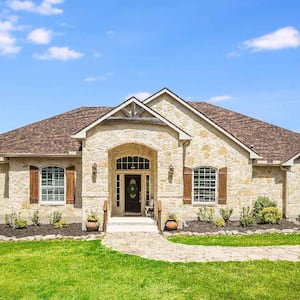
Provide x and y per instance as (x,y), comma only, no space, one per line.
(105,216)
(159,209)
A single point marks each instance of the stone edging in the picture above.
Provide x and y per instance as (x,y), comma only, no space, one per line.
(89,237)
(231,232)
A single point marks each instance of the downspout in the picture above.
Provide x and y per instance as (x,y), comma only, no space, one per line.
(285,192)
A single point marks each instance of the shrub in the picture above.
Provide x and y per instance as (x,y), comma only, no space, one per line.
(261,203)
(9,219)
(55,217)
(220,222)
(270,215)
(36,218)
(20,223)
(246,219)
(206,214)
(60,224)
(226,213)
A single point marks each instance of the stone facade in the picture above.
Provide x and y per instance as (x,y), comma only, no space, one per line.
(161,144)
(18,189)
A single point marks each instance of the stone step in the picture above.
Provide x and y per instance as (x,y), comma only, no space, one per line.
(131,224)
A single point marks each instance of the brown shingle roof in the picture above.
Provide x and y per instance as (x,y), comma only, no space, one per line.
(50,136)
(269,141)
(53,135)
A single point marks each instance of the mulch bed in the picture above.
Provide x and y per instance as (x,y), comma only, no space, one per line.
(200,226)
(74,229)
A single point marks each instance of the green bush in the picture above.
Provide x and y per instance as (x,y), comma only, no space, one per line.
(247,219)
(60,224)
(226,213)
(36,218)
(55,217)
(261,203)
(219,222)
(206,214)
(270,215)
(20,223)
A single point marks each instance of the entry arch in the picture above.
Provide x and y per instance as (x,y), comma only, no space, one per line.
(139,163)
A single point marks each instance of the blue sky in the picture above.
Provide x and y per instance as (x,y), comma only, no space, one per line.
(58,55)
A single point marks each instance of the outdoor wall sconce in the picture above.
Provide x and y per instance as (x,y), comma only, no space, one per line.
(171,173)
(94,172)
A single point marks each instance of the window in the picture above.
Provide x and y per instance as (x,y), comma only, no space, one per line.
(204,185)
(53,184)
(133,162)
(147,190)
(118,190)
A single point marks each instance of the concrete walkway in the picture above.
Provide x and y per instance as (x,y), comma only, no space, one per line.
(155,246)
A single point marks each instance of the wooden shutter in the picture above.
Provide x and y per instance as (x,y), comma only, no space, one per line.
(187,185)
(34,185)
(70,194)
(222,199)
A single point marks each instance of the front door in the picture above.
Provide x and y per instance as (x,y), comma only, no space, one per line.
(132,193)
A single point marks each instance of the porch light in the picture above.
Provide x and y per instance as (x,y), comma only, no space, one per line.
(171,172)
(94,172)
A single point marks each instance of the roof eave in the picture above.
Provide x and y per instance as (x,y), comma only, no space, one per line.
(290,162)
(70,154)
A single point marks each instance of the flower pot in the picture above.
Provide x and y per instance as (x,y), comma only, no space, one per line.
(171,225)
(92,226)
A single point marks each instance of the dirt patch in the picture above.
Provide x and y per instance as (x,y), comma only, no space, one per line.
(200,226)
(44,229)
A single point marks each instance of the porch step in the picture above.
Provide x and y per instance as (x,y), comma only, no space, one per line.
(131,224)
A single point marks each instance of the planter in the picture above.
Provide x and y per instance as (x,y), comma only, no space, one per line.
(171,225)
(92,226)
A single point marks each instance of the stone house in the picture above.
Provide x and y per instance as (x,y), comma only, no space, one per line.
(185,154)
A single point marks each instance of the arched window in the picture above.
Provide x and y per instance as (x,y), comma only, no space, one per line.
(53,184)
(204,184)
(133,162)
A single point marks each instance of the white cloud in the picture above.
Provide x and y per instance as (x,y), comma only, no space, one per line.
(98,78)
(7,40)
(40,36)
(140,95)
(233,54)
(287,37)
(8,44)
(59,53)
(45,8)
(110,32)
(219,98)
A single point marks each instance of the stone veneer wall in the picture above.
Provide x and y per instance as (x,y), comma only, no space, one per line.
(18,200)
(209,147)
(293,191)
(103,138)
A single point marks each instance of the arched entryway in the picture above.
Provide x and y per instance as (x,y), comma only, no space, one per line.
(133,172)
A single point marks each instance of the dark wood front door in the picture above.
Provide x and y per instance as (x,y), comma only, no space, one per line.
(132,193)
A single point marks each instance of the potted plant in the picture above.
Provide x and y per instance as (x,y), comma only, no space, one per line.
(171,222)
(92,223)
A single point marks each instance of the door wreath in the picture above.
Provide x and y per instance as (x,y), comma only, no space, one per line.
(132,189)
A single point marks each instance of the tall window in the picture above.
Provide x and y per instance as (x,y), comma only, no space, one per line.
(53,184)
(204,185)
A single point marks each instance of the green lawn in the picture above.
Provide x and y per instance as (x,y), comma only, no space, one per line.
(87,270)
(239,240)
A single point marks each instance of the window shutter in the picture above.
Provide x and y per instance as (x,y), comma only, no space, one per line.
(70,194)
(34,185)
(222,199)
(187,185)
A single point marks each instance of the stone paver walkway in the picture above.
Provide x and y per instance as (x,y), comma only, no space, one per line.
(156,247)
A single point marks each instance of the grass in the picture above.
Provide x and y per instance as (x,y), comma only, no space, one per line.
(87,270)
(239,240)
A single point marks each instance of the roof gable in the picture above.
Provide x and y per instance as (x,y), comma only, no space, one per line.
(253,154)
(132,110)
